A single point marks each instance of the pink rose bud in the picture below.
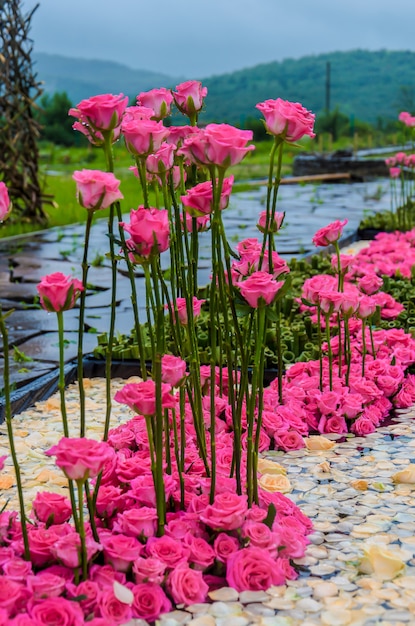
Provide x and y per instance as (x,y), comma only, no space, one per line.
(59,292)
(141,397)
(395,172)
(162,160)
(173,370)
(100,113)
(5,204)
(274,227)
(217,144)
(259,287)
(96,189)
(182,309)
(188,97)
(198,200)
(290,120)
(149,230)
(329,234)
(157,99)
(367,307)
(370,284)
(82,458)
(143,137)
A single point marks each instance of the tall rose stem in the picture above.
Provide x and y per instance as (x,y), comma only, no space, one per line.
(82,535)
(364,349)
(61,386)
(320,351)
(260,396)
(82,299)
(8,419)
(329,350)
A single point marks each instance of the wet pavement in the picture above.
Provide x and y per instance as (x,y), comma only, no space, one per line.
(24,260)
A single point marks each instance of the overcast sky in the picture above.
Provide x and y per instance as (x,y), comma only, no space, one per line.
(197,39)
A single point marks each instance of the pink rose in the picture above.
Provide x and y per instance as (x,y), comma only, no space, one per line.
(10,591)
(140,522)
(289,440)
(143,137)
(167,550)
(363,426)
(292,541)
(188,97)
(330,301)
(367,307)
(149,229)
(161,161)
(334,424)
(252,569)
(259,288)
(88,588)
(41,542)
(45,585)
(82,458)
(274,227)
(225,545)
(149,570)
(59,292)
(149,601)
(186,585)
(173,370)
(67,549)
(141,397)
(112,609)
(395,172)
(260,536)
(370,284)
(57,611)
(17,569)
(290,120)
(96,189)
(329,234)
(182,309)
(103,112)
(217,144)
(226,513)
(51,508)
(157,99)
(120,551)
(198,200)
(201,554)
(5,204)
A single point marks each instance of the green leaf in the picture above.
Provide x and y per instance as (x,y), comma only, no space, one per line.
(272,512)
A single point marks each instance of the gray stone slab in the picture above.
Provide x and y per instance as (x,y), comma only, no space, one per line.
(45,347)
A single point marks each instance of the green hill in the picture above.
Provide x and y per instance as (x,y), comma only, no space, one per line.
(368,85)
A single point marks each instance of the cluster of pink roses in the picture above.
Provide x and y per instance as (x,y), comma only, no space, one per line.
(389,254)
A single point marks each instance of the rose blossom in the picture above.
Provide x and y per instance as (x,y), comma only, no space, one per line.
(17,569)
(225,545)
(287,119)
(198,200)
(370,284)
(149,601)
(188,97)
(143,137)
(186,585)
(82,458)
(67,549)
(51,508)
(173,369)
(140,522)
(252,569)
(120,551)
(217,144)
(149,229)
(201,553)
(167,550)
(5,204)
(88,588)
(226,513)
(274,227)
(141,397)
(113,609)
(329,234)
(96,189)
(59,292)
(182,309)
(157,99)
(45,585)
(10,591)
(259,288)
(103,112)
(57,611)
(149,570)
(162,161)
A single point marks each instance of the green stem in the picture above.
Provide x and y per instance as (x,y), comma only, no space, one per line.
(108,355)
(82,535)
(82,298)
(279,351)
(8,418)
(320,351)
(259,366)
(329,350)
(364,349)
(61,386)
